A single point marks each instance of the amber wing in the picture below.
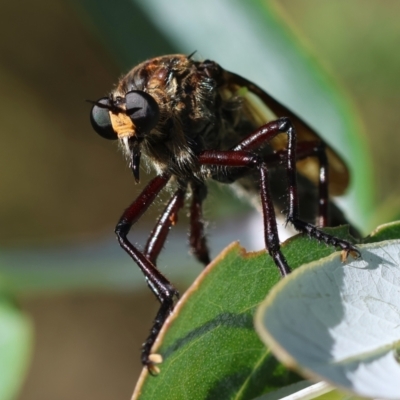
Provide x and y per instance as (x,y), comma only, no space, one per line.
(262,108)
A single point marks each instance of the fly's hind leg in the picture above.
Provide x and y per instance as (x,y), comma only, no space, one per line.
(245,155)
(285,125)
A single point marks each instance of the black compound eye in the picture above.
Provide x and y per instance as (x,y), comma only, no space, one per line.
(100,119)
(142,109)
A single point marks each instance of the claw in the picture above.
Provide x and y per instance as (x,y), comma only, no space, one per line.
(151,364)
(352,251)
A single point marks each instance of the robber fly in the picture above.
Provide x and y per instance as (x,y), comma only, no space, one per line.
(194,121)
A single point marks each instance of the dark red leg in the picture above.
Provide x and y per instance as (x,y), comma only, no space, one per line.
(247,159)
(291,154)
(323,202)
(293,214)
(305,150)
(241,156)
(317,149)
(272,242)
(266,133)
(160,232)
(160,285)
(197,238)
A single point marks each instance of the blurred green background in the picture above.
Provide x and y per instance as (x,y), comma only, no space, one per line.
(63,188)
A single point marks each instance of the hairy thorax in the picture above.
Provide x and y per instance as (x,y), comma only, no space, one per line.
(194,115)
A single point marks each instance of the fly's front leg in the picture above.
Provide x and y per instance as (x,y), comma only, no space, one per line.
(157,282)
(236,159)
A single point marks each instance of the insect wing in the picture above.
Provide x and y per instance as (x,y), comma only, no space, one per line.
(262,108)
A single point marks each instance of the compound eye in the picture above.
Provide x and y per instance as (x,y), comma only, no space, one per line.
(100,119)
(142,109)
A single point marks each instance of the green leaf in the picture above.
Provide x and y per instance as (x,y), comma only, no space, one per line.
(209,346)
(15,345)
(384,232)
(339,322)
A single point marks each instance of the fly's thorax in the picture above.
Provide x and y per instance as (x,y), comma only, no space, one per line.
(188,112)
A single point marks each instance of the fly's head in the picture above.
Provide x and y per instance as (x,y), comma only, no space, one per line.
(129,118)
(163,109)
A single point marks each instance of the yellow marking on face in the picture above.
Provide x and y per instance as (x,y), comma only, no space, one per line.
(122,125)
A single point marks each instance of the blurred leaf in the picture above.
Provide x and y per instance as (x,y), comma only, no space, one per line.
(260,34)
(384,232)
(15,346)
(339,322)
(209,346)
(128,33)
(269,53)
